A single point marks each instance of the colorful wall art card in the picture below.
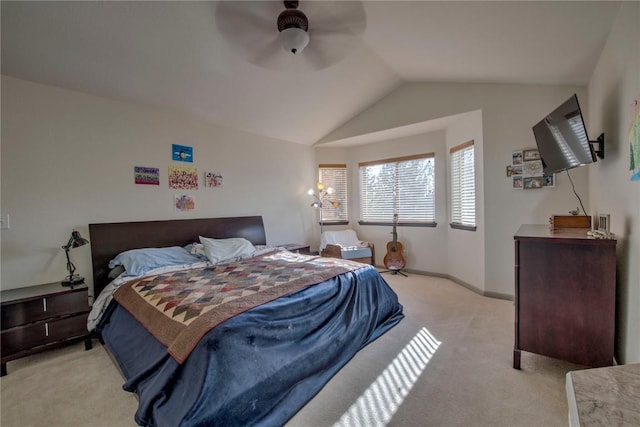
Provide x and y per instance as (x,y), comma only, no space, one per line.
(634,141)
(182,153)
(144,175)
(184,202)
(183,178)
(212,179)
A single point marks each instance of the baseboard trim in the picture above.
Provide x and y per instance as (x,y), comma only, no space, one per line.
(489,294)
(499,295)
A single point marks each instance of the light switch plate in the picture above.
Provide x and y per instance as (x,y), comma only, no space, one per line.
(4,221)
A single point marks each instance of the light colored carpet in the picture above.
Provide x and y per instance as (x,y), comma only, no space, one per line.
(448,363)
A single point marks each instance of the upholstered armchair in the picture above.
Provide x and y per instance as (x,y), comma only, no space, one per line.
(345,244)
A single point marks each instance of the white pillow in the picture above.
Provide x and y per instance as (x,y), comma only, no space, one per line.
(218,250)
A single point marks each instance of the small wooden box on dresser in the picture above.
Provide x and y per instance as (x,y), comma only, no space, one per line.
(38,318)
(565,295)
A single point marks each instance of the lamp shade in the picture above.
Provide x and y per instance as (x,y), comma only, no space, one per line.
(293,39)
(77,240)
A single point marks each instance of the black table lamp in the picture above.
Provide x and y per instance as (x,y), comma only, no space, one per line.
(75,241)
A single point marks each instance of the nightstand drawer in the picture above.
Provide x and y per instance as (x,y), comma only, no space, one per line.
(42,317)
(27,337)
(42,308)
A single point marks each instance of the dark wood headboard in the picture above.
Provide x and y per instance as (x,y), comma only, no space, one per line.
(109,239)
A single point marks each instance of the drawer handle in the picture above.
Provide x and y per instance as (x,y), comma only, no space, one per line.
(46,329)
(44,304)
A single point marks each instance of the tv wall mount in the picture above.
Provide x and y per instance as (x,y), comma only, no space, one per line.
(600,141)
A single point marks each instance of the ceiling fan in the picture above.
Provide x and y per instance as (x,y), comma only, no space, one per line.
(293,26)
(291,38)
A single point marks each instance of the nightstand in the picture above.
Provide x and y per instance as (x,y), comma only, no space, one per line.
(38,318)
(295,247)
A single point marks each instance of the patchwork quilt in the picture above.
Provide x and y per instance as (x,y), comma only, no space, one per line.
(178,308)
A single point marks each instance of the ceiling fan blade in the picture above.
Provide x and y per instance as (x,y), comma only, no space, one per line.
(246,23)
(327,49)
(268,55)
(337,16)
(318,59)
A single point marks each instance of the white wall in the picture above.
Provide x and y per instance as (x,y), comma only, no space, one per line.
(422,245)
(68,159)
(612,90)
(440,250)
(466,255)
(508,114)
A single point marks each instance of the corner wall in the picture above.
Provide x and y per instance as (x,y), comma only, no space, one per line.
(423,246)
(466,255)
(508,115)
(613,89)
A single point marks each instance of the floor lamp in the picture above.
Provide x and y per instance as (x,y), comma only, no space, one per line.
(321,198)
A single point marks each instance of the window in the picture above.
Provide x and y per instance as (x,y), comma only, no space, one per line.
(334,176)
(463,187)
(404,185)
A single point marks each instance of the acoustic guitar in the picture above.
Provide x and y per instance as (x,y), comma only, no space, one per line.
(393,260)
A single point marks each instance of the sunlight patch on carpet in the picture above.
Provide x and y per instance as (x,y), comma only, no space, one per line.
(381,400)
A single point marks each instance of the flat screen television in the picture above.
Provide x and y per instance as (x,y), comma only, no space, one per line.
(562,138)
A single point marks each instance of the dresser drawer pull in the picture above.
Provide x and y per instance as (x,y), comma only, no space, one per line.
(44,304)
(46,329)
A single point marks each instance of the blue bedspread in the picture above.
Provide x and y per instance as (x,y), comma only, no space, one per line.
(260,367)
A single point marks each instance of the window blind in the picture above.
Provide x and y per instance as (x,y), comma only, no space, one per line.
(334,176)
(404,185)
(463,185)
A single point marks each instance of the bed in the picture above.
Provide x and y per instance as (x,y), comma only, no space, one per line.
(258,365)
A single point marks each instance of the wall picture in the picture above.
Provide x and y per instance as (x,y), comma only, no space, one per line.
(530,155)
(183,178)
(145,175)
(526,171)
(548,180)
(516,157)
(516,182)
(514,170)
(213,179)
(531,182)
(182,153)
(184,202)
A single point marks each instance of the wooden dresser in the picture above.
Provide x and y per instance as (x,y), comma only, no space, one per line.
(565,295)
(38,318)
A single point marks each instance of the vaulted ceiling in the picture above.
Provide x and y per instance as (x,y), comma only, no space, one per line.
(217,59)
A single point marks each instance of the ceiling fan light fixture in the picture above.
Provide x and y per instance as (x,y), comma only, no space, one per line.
(293,26)
(293,39)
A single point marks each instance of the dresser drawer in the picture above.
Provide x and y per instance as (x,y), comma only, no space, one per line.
(33,335)
(42,317)
(42,308)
